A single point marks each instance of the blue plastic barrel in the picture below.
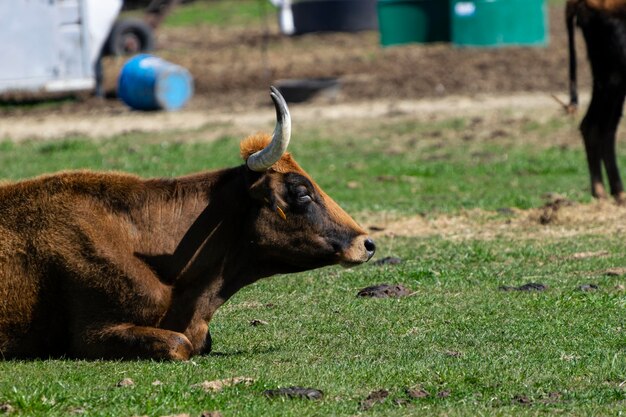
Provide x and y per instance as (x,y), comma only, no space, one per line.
(147,82)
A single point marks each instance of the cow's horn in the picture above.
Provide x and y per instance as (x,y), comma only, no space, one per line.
(265,158)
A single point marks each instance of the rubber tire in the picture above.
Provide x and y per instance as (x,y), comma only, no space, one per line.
(115,46)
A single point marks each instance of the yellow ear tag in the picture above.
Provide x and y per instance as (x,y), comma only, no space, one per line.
(281,213)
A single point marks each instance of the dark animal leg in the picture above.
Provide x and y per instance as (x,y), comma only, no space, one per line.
(599,129)
(592,149)
(199,336)
(127,341)
(612,170)
(592,137)
(613,107)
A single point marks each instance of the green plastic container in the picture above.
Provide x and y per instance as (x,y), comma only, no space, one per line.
(407,21)
(499,22)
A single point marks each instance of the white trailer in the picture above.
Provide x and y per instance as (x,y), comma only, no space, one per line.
(52,46)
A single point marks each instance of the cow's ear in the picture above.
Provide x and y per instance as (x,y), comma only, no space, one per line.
(259,188)
(267,191)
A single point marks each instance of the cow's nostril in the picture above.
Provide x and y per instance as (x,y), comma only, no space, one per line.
(370,246)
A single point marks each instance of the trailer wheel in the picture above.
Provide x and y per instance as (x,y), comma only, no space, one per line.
(128,37)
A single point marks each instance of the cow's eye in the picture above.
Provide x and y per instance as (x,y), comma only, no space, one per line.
(302,195)
(304,199)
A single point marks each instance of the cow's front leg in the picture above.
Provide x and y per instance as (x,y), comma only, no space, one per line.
(199,336)
(198,329)
(127,341)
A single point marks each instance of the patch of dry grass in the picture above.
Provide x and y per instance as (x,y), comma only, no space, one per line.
(595,218)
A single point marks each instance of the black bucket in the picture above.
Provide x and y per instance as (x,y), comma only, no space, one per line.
(300,90)
(334,16)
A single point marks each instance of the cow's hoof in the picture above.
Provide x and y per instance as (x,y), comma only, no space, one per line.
(598,191)
(180,349)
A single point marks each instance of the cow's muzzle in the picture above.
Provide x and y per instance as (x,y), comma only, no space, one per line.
(361,250)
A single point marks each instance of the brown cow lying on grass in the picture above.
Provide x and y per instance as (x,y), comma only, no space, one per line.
(603,23)
(104,265)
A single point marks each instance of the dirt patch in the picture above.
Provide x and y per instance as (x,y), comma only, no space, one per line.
(295,392)
(126,382)
(233,63)
(214,122)
(233,67)
(588,287)
(219,384)
(615,272)
(388,260)
(385,291)
(417,393)
(211,414)
(444,394)
(598,217)
(552,398)
(375,397)
(522,399)
(586,255)
(551,209)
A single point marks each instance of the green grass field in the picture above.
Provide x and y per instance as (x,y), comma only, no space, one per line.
(221,13)
(476,350)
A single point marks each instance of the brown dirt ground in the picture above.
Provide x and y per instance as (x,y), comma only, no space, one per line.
(235,64)
(491,117)
(232,67)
